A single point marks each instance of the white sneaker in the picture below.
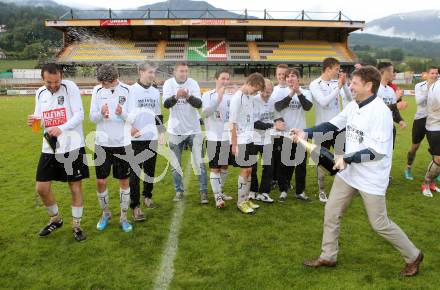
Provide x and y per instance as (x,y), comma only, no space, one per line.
(283,196)
(179,196)
(264,197)
(323,197)
(226,197)
(303,197)
(252,195)
(426,191)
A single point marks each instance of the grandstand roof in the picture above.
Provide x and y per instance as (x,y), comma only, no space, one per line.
(214,17)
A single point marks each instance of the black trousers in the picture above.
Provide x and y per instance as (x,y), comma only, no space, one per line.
(266,176)
(147,167)
(291,162)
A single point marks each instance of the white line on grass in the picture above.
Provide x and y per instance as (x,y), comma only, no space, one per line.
(166,270)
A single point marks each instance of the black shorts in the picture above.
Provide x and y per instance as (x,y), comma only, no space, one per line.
(219,153)
(121,168)
(51,167)
(246,156)
(418,130)
(434,142)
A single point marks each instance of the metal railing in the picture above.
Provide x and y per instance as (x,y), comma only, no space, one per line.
(204,14)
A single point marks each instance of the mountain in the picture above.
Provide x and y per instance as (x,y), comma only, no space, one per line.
(421,25)
(411,47)
(190,9)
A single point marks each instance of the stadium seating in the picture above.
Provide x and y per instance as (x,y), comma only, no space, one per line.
(203,50)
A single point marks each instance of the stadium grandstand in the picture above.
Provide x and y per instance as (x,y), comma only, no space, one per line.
(246,41)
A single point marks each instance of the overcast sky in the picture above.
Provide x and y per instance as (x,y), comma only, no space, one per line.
(356,10)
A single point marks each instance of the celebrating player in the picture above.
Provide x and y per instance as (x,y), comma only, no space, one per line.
(216,115)
(327,91)
(292,108)
(181,95)
(59,108)
(241,120)
(364,169)
(419,124)
(145,115)
(433,136)
(109,111)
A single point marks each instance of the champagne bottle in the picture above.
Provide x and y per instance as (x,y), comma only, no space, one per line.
(326,159)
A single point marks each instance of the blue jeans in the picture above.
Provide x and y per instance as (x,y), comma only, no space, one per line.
(176,144)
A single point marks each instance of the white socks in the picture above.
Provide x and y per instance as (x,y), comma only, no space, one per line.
(77,212)
(215,180)
(223,175)
(52,211)
(103,200)
(243,189)
(124,201)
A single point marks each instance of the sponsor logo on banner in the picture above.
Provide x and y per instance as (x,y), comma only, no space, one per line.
(54,117)
(115,22)
(208,22)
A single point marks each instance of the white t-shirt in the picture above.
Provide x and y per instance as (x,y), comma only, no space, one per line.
(183,118)
(387,94)
(370,126)
(327,98)
(143,107)
(433,107)
(241,113)
(112,131)
(264,112)
(294,115)
(216,116)
(64,110)
(279,93)
(421,95)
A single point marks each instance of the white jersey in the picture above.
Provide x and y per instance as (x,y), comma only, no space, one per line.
(421,95)
(327,98)
(264,112)
(216,116)
(112,131)
(143,107)
(370,126)
(241,113)
(433,108)
(183,118)
(387,94)
(279,93)
(62,109)
(294,115)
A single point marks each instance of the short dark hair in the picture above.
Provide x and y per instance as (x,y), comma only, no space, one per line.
(180,63)
(329,62)
(256,80)
(433,67)
(221,71)
(107,73)
(293,71)
(383,65)
(368,74)
(51,68)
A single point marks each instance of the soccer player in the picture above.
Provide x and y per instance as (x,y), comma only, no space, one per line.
(59,107)
(108,110)
(327,91)
(264,113)
(363,169)
(419,124)
(181,95)
(291,110)
(215,109)
(280,91)
(241,120)
(388,95)
(144,113)
(433,136)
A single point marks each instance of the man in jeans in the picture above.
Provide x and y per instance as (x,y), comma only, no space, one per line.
(181,95)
